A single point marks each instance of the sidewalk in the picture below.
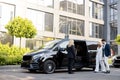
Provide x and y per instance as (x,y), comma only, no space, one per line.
(10,67)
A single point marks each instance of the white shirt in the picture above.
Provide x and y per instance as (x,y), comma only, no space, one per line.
(99,53)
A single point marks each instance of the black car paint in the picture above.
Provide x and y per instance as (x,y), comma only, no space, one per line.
(116,61)
(59,56)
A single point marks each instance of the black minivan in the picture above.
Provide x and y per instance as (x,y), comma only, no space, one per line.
(54,56)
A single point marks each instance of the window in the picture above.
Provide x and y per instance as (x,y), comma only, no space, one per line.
(64,44)
(41,20)
(112,1)
(73,6)
(0,11)
(113,19)
(5,38)
(71,26)
(6,14)
(99,0)
(113,14)
(62,24)
(95,10)
(96,30)
(47,3)
(48,22)
(113,33)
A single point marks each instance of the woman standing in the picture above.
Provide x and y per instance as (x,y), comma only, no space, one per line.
(71,55)
(99,59)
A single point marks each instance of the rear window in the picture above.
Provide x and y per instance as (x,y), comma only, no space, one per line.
(91,45)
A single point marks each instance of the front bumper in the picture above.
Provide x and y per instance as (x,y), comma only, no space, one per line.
(29,65)
(116,62)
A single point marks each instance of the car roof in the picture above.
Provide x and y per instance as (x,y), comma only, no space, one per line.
(76,40)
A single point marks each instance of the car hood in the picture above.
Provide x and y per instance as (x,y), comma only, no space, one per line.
(41,51)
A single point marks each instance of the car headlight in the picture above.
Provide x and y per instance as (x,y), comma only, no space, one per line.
(37,56)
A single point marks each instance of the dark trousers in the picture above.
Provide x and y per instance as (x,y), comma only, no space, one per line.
(70,64)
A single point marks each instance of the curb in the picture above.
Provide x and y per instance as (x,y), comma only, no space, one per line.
(10,67)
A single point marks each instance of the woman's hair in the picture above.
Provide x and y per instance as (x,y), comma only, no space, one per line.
(71,42)
(99,44)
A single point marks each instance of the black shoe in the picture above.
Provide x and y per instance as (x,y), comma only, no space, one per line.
(71,73)
(108,71)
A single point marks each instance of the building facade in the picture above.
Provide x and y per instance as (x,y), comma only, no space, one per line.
(56,19)
(113,22)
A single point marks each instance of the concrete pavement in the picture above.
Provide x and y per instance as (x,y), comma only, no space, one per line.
(14,72)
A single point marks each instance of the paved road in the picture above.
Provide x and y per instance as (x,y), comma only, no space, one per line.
(16,73)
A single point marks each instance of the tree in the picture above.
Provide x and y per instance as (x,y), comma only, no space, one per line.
(117,39)
(21,27)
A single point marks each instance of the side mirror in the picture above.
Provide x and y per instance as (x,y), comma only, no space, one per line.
(62,49)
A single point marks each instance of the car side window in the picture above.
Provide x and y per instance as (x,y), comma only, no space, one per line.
(56,49)
(64,44)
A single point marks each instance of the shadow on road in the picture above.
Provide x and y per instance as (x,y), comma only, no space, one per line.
(58,71)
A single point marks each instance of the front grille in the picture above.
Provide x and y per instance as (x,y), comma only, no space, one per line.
(117,61)
(26,65)
(26,58)
(35,66)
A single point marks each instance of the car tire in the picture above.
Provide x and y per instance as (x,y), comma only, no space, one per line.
(49,67)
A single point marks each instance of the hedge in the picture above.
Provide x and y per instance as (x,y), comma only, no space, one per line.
(10,55)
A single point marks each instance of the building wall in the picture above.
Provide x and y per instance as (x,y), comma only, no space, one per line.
(21,9)
(118,22)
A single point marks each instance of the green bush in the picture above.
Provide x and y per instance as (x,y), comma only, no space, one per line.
(11,55)
(3,56)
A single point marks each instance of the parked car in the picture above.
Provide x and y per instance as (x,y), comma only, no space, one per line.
(54,56)
(116,61)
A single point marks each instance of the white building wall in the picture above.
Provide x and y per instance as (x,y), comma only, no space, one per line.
(21,10)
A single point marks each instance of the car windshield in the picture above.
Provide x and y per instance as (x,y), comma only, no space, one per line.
(50,44)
